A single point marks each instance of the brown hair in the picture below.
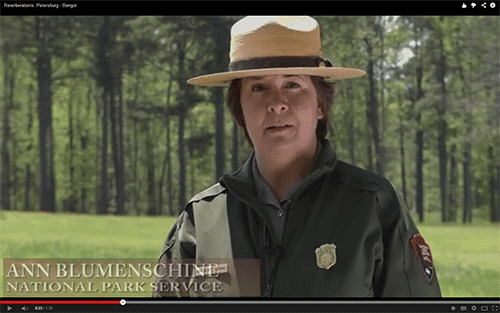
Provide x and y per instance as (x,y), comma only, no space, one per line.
(324,91)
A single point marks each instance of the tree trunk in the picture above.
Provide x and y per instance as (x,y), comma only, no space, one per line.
(191,160)
(467,215)
(166,160)
(169,174)
(372,111)
(441,112)
(85,175)
(5,188)
(419,171)
(72,201)
(351,124)
(27,186)
(402,144)
(235,160)
(29,182)
(465,94)
(134,170)
(369,150)
(98,147)
(220,134)
(46,138)
(115,146)
(151,172)
(182,161)
(467,211)
(498,155)
(381,155)
(15,152)
(163,170)
(103,205)
(477,192)
(494,163)
(182,117)
(105,81)
(453,201)
(160,182)
(491,183)
(135,121)
(120,166)
(419,135)
(221,39)
(114,140)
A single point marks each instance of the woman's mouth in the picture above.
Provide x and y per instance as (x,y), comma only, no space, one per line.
(280,127)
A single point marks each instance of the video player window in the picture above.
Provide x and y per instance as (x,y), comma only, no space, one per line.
(344,160)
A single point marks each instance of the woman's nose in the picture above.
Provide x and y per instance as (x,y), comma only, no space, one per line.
(278,106)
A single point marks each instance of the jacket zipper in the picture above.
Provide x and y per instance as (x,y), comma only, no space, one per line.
(271,253)
(268,251)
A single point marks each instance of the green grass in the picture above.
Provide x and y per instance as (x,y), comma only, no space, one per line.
(467,258)
(37,235)
(44,235)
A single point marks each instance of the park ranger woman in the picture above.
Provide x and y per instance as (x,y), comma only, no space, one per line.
(293,221)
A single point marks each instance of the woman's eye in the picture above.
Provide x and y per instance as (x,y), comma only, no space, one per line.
(292,85)
(258,87)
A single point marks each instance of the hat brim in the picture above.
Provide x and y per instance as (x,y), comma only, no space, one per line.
(224,79)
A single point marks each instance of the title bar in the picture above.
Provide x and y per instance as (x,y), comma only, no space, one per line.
(75,8)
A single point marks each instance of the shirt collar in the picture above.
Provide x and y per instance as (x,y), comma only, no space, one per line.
(264,192)
(242,184)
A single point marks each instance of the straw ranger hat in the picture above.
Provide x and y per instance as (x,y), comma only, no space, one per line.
(276,45)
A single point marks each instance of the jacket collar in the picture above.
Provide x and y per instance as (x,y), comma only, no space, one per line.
(241,182)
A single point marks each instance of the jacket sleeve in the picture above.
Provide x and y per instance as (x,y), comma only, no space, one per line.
(407,268)
(179,247)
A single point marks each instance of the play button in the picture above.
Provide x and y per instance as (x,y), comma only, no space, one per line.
(9,308)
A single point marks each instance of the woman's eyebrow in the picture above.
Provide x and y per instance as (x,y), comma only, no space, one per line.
(285,76)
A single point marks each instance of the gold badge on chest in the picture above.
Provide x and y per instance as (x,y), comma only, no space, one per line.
(326,255)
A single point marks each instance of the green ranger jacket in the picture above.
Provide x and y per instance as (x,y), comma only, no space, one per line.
(347,233)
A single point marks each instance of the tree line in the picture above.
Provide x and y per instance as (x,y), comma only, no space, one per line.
(97,116)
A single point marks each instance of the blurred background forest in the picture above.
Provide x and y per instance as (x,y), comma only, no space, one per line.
(97,117)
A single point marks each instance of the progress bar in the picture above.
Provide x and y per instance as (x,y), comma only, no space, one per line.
(258,305)
(227,301)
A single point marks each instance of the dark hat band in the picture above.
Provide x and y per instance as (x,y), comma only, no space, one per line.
(278,62)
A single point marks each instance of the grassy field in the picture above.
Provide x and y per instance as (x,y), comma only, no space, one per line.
(467,258)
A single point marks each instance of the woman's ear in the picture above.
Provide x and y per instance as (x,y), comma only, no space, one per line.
(320,112)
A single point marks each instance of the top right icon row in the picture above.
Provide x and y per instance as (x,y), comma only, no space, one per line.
(484,5)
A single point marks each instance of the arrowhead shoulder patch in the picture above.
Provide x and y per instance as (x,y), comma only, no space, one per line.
(423,255)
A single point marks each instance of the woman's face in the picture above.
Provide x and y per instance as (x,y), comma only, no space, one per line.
(280,111)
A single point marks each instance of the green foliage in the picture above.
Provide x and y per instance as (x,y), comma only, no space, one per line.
(145,53)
